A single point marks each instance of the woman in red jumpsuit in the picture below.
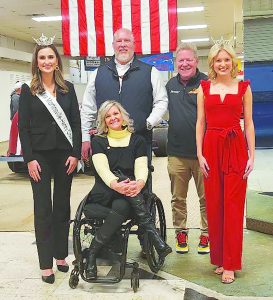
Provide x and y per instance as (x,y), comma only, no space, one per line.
(226,156)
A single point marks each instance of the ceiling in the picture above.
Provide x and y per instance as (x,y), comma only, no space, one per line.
(219,15)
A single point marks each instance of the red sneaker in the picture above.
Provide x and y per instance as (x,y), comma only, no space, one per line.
(203,247)
(182,242)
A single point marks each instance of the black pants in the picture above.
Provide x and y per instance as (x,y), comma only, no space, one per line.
(125,208)
(51,220)
(120,205)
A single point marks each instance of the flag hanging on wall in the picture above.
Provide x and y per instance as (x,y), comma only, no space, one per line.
(162,61)
(88,25)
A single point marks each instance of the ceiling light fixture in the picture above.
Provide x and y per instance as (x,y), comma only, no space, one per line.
(195,40)
(47,19)
(190,9)
(186,27)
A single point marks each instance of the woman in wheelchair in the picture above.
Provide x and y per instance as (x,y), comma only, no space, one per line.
(120,161)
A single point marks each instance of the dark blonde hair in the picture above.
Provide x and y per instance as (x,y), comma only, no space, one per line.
(36,85)
(104,108)
(214,50)
(187,46)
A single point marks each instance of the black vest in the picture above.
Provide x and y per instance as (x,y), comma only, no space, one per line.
(136,94)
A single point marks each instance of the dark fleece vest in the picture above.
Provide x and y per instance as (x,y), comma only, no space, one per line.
(136,94)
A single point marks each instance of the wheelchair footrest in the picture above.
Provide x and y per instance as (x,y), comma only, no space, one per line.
(107,279)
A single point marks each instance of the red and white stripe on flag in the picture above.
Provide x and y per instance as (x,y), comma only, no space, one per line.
(88,25)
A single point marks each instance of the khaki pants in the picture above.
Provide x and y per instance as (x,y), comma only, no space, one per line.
(180,171)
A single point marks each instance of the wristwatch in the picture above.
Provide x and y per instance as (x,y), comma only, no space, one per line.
(149,125)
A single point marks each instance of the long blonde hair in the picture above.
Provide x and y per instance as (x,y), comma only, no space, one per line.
(36,85)
(214,50)
(104,108)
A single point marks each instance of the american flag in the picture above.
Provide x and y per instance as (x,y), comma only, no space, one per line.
(88,25)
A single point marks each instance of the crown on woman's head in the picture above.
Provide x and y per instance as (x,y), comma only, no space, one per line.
(223,42)
(44,41)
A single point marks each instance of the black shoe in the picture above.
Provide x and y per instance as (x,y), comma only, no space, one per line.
(164,251)
(49,279)
(160,245)
(63,268)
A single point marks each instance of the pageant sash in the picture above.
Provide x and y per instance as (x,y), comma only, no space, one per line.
(57,113)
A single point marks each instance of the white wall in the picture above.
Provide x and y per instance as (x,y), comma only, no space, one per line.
(11,43)
(79,89)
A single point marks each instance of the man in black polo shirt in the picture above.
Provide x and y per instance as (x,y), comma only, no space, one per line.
(182,159)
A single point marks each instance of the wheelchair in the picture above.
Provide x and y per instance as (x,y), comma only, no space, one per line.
(84,228)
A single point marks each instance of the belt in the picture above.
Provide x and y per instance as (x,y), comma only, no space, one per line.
(232,148)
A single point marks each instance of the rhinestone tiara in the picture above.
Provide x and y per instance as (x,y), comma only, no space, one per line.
(223,42)
(44,41)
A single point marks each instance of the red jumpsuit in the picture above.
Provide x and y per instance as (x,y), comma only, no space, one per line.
(225,150)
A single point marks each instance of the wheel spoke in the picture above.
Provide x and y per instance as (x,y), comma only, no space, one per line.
(156,208)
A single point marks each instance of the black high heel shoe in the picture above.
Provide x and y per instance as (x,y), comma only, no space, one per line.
(49,279)
(63,268)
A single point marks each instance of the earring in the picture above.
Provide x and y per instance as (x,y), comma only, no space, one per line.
(57,68)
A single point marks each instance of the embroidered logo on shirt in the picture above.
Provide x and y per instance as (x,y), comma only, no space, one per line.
(174,92)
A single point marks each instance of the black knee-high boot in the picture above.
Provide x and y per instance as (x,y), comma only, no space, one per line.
(111,224)
(145,221)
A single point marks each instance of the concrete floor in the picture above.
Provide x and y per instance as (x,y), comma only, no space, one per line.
(181,274)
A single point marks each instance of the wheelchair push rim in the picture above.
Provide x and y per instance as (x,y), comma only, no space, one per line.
(154,261)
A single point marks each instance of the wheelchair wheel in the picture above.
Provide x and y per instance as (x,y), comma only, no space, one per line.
(135,280)
(156,208)
(73,280)
(82,237)
(85,237)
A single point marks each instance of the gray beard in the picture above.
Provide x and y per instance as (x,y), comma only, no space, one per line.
(123,58)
